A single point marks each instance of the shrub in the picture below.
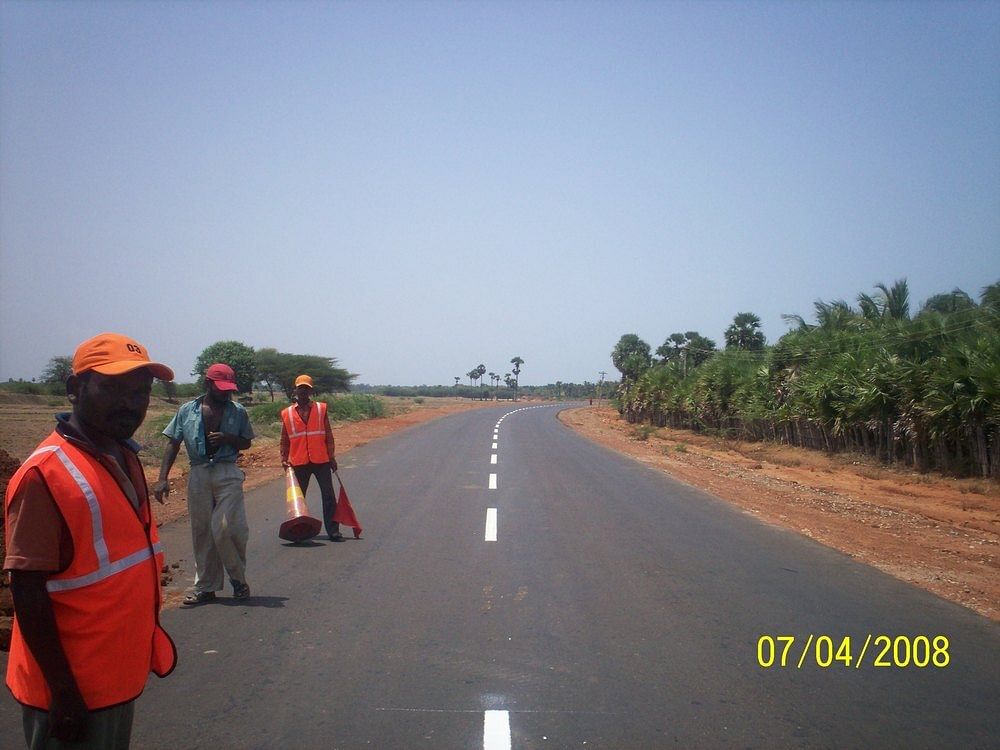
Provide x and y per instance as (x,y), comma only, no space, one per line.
(352,407)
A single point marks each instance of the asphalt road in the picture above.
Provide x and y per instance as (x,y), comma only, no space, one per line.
(615,608)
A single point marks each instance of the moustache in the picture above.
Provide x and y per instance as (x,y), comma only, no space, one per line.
(127,415)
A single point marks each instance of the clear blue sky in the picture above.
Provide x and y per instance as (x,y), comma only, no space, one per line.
(418,187)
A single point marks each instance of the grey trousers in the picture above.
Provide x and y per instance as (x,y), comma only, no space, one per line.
(219,529)
(107,729)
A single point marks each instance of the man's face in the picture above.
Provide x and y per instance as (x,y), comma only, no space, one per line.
(219,397)
(302,393)
(111,405)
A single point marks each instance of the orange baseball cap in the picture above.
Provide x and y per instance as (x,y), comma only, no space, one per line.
(303,380)
(115,354)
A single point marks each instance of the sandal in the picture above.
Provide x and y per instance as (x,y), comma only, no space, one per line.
(240,590)
(198,597)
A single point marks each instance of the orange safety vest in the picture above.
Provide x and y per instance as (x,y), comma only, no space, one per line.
(107,602)
(306,442)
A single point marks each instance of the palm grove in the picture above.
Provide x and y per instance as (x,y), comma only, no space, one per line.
(510,379)
(869,378)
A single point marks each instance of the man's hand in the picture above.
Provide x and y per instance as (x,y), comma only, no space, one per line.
(333,464)
(161,489)
(218,439)
(284,463)
(68,716)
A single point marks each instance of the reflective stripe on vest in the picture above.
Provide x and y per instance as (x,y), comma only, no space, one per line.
(105,566)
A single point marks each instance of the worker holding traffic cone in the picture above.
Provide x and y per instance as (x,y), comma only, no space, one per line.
(307,446)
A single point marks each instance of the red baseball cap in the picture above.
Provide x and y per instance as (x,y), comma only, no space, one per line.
(223,377)
(115,354)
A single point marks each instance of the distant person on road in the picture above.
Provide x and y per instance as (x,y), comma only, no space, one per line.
(214,429)
(307,446)
(84,559)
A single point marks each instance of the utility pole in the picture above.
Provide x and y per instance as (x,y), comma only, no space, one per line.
(600,386)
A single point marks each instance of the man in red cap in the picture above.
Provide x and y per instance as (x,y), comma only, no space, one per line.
(307,446)
(84,558)
(214,429)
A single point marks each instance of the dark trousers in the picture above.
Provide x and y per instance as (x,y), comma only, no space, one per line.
(324,477)
(107,729)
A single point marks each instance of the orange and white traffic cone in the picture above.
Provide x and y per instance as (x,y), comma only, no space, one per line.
(299,525)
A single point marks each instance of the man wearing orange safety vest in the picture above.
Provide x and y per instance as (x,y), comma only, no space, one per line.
(307,446)
(84,558)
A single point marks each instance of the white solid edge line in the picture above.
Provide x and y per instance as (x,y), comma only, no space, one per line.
(496,730)
(491,524)
(493,481)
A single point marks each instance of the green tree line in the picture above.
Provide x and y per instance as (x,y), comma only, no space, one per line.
(269,368)
(558,390)
(922,391)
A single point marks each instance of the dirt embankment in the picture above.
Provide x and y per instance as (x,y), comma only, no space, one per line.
(937,533)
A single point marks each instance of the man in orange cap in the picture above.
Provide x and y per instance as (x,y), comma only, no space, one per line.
(307,446)
(214,429)
(84,558)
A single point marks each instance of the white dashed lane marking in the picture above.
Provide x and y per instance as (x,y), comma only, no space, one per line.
(493,481)
(491,524)
(496,730)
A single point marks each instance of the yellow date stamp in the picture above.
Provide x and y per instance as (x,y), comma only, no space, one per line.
(879,651)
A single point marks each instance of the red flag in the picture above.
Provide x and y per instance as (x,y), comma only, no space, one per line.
(345,513)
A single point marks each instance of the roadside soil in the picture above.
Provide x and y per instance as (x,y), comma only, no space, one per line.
(937,533)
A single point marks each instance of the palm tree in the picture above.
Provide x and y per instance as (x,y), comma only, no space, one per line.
(631,357)
(745,333)
(480,371)
(457,378)
(690,348)
(990,297)
(891,303)
(950,302)
(517,362)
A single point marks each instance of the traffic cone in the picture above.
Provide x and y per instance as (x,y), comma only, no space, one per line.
(345,513)
(299,526)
